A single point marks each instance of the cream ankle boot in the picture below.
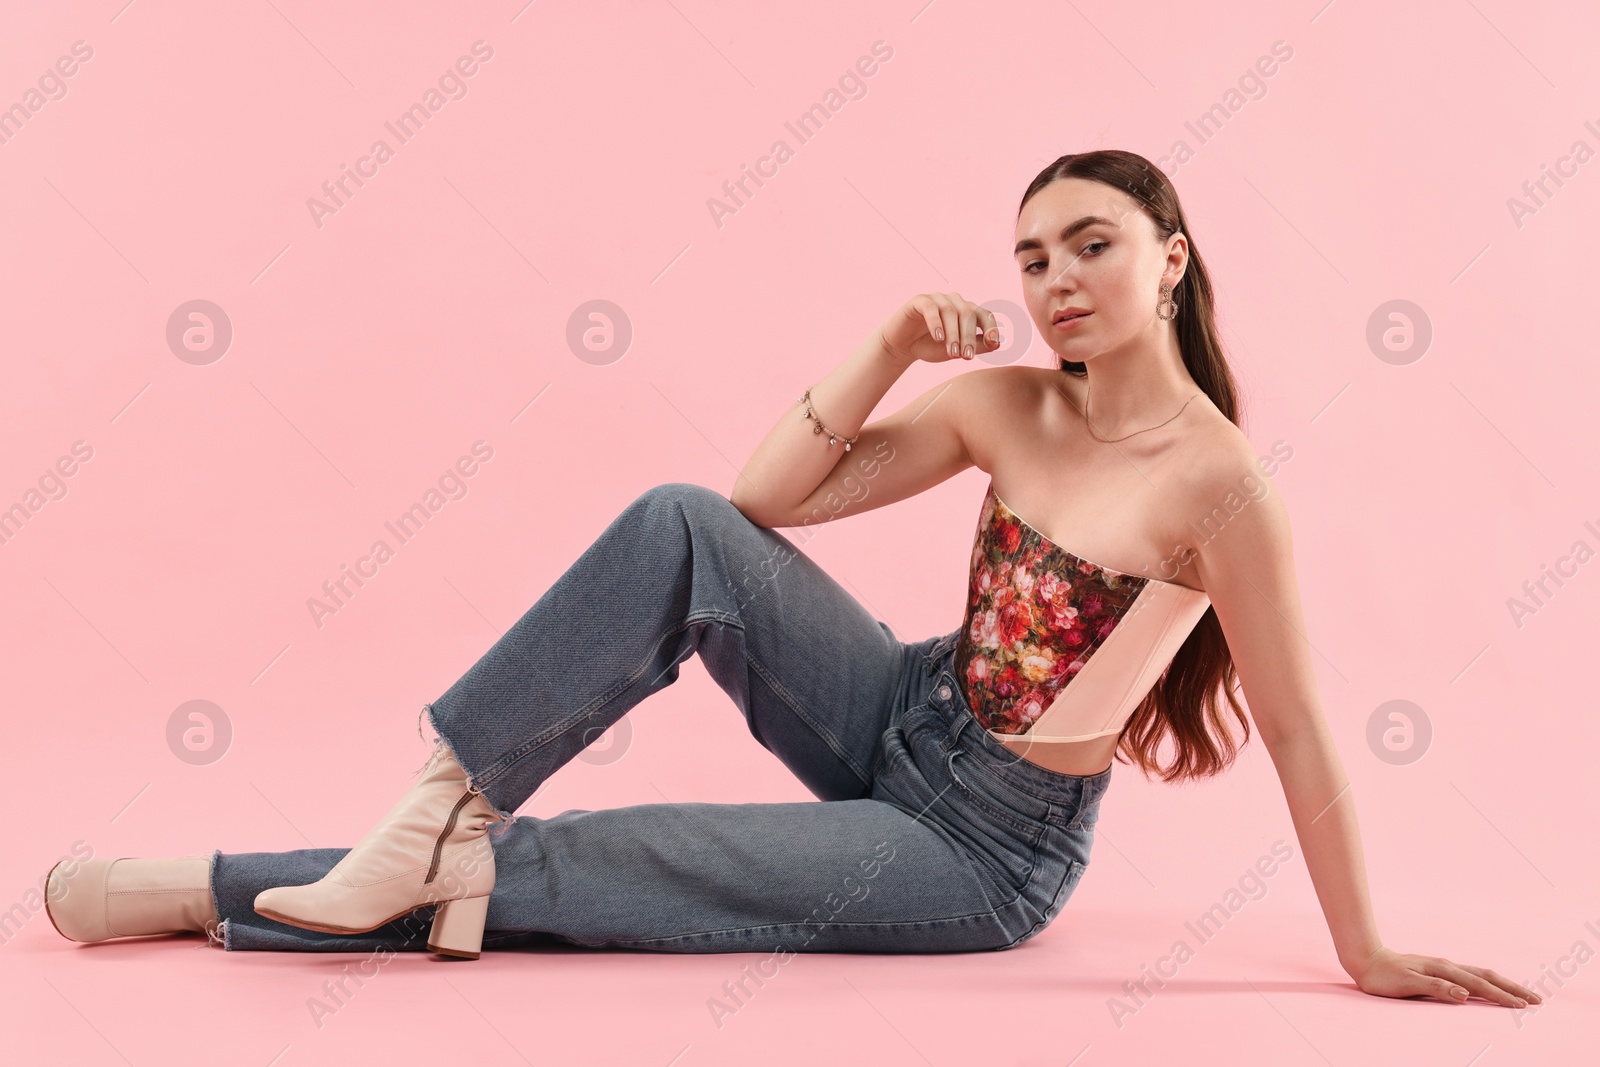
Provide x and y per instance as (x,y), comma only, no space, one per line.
(98,899)
(432,847)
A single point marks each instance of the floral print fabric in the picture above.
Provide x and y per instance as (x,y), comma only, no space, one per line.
(1035,614)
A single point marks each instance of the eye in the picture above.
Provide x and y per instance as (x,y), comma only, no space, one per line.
(1098,246)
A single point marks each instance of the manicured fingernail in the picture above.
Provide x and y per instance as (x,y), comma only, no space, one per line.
(1458,991)
(938,334)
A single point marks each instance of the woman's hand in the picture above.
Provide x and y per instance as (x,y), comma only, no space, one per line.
(939,326)
(1387,973)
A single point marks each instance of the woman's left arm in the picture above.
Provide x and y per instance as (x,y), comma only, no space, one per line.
(1247,568)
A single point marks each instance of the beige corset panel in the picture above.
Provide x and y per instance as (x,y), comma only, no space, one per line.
(1102,696)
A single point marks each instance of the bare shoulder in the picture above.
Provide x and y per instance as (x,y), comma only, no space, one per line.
(1218,453)
(1006,384)
(997,404)
(984,399)
(1229,485)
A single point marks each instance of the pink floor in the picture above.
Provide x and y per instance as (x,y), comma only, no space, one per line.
(1264,988)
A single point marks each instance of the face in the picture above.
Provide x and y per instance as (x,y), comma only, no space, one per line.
(1084,245)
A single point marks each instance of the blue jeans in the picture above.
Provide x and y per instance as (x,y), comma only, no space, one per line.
(928,835)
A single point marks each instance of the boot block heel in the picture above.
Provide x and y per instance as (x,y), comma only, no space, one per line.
(458,927)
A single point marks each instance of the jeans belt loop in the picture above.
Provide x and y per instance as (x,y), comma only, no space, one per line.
(938,651)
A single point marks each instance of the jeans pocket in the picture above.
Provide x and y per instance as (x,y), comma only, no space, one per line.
(891,745)
(1023,814)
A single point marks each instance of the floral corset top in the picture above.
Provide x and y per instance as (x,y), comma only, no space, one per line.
(1054,647)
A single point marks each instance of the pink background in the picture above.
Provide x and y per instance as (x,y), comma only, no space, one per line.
(431,310)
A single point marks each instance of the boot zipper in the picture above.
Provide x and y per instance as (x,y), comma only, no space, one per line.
(450,824)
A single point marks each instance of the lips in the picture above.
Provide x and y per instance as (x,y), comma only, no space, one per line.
(1070,316)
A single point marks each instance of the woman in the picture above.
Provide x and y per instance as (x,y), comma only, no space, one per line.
(962,774)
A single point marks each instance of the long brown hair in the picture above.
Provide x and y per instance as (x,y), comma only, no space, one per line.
(1187,701)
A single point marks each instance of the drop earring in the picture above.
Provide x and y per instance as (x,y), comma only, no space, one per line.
(1167,308)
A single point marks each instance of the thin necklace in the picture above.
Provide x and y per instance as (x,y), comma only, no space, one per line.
(1113,440)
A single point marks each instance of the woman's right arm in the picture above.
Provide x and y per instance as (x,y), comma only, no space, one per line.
(796,478)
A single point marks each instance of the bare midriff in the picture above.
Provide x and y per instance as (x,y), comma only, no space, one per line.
(1064,757)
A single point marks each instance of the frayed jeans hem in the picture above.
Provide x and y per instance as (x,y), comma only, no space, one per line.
(504,816)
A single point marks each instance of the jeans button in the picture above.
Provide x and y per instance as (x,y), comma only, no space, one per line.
(944,692)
